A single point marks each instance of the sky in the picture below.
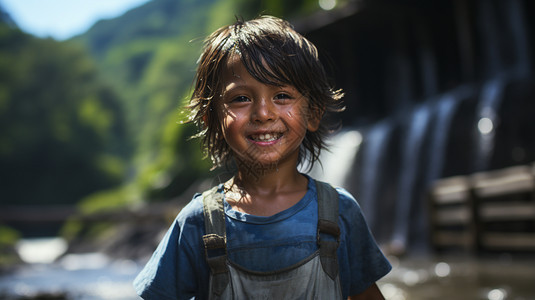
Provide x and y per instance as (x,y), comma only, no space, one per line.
(62,19)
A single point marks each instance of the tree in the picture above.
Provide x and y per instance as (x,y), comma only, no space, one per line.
(62,131)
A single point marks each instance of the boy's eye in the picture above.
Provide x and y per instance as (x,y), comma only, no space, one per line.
(282,96)
(240,99)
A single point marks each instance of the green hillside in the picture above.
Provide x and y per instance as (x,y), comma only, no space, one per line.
(62,130)
(148,56)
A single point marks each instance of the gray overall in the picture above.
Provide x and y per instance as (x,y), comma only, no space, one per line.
(316,277)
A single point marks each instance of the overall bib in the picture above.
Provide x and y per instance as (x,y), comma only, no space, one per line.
(315,277)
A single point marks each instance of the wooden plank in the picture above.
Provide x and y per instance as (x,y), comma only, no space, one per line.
(453,238)
(504,211)
(452,216)
(513,180)
(451,190)
(509,240)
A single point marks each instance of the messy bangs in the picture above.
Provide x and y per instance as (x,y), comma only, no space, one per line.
(273,53)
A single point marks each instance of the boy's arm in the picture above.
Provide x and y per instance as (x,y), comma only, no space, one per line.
(371,293)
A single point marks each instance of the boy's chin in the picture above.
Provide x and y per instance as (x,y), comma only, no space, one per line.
(261,163)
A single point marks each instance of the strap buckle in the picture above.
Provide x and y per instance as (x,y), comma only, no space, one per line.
(328,227)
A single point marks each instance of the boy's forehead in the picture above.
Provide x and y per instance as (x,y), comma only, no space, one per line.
(234,75)
(234,64)
(233,67)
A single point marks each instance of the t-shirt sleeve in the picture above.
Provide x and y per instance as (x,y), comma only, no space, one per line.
(176,268)
(361,261)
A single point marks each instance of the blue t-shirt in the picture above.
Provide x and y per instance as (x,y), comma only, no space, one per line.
(178,270)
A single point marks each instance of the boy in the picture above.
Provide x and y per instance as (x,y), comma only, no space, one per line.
(270,232)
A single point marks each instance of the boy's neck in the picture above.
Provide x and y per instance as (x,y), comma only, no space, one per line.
(278,179)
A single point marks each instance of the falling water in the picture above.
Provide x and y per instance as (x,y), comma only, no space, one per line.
(338,161)
(487,119)
(444,110)
(374,153)
(410,164)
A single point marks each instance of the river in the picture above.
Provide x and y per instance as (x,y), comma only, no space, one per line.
(461,277)
(50,274)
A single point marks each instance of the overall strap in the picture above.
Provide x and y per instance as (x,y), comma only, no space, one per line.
(215,239)
(328,224)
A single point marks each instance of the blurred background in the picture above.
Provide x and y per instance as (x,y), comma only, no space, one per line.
(437,140)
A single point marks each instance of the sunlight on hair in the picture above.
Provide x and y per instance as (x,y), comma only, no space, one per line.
(327,4)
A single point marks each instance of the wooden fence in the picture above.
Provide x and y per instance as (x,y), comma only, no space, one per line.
(488,211)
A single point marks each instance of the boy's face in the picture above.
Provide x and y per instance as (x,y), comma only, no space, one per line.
(264,125)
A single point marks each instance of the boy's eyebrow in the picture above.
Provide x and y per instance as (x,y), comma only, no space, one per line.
(243,85)
(233,87)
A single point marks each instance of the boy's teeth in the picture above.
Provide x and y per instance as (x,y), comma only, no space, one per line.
(265,137)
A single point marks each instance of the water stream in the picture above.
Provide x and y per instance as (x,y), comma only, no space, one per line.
(49,273)
(500,277)
(94,276)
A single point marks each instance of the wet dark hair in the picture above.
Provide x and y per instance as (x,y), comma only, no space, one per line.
(273,53)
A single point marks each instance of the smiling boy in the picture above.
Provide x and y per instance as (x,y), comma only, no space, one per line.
(270,232)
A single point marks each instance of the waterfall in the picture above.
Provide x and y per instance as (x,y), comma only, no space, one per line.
(487,120)
(337,162)
(412,153)
(372,171)
(444,110)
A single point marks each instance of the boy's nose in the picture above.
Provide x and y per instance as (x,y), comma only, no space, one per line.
(263,111)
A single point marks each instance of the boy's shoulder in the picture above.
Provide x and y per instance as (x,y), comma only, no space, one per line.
(347,203)
(343,195)
(192,210)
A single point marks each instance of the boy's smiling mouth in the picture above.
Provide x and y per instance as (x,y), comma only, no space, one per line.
(265,137)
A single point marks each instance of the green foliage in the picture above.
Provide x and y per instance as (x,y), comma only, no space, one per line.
(8,236)
(104,201)
(59,124)
(109,200)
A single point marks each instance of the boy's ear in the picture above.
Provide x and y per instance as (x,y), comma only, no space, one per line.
(205,120)
(314,119)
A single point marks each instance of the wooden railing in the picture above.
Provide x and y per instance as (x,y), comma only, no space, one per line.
(488,211)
